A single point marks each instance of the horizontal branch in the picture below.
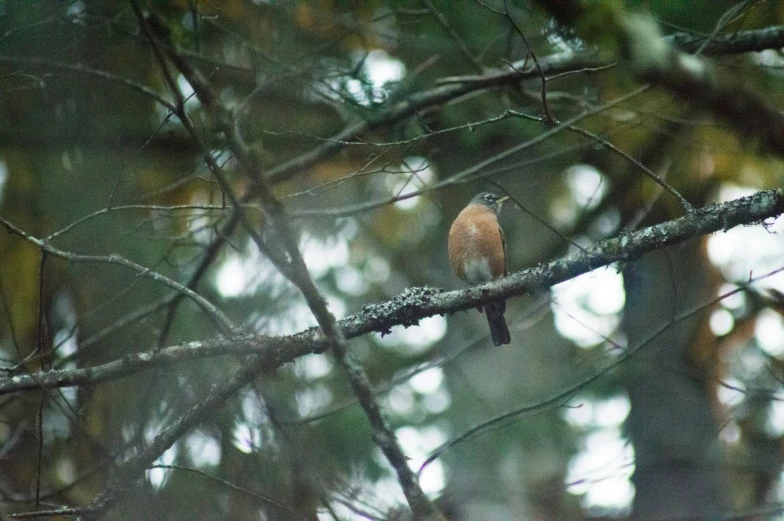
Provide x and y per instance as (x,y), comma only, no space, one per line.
(448,90)
(654,59)
(455,87)
(753,40)
(34,61)
(408,308)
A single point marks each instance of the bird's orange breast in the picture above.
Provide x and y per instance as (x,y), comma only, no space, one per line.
(475,238)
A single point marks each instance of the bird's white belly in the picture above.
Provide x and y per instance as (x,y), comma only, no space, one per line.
(477,271)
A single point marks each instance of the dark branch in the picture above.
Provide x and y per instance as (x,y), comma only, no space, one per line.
(742,41)
(131,469)
(408,308)
(654,59)
(220,319)
(288,259)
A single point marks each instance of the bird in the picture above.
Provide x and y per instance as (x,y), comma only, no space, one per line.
(477,254)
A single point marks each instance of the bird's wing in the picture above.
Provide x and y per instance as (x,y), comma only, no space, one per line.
(503,243)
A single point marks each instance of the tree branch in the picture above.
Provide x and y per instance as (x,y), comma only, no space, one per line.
(221,320)
(128,471)
(461,45)
(415,304)
(654,59)
(736,43)
(291,264)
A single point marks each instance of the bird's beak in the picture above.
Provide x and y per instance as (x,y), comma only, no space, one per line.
(502,199)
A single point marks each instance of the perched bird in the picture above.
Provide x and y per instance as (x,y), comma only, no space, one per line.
(477,253)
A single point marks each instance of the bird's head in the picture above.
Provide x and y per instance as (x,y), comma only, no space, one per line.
(489,200)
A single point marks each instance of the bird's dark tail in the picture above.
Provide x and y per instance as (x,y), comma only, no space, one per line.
(495,318)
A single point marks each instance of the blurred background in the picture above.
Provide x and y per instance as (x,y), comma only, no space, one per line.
(691,425)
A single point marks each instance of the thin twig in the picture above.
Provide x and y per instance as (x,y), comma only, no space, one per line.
(467,173)
(83,69)
(230,485)
(216,314)
(128,471)
(461,46)
(520,32)
(538,219)
(150,207)
(47,513)
(562,397)
(607,144)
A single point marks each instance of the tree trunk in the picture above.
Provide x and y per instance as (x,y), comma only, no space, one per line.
(672,426)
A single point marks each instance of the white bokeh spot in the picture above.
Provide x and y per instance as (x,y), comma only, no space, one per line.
(586,309)
(601,472)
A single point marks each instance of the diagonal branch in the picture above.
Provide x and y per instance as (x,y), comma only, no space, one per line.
(653,59)
(608,145)
(531,51)
(128,471)
(461,45)
(415,304)
(290,263)
(220,319)
(563,396)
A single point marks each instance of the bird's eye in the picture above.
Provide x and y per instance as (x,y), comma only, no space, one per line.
(489,197)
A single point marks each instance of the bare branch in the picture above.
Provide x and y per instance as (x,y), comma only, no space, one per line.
(261,497)
(420,101)
(415,304)
(537,65)
(474,171)
(461,46)
(647,171)
(82,69)
(129,470)
(653,59)
(295,270)
(216,314)
(562,397)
